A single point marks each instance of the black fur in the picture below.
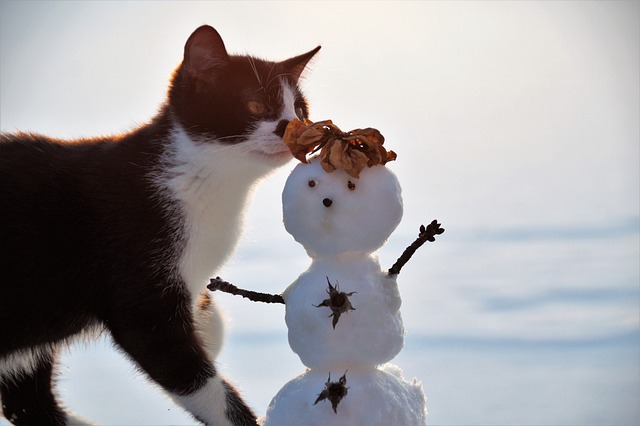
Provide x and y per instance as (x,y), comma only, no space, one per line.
(224,91)
(28,399)
(88,242)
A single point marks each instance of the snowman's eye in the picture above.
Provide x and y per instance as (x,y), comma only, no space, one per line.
(311,183)
(351,185)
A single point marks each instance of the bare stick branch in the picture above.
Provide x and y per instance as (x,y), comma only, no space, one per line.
(219,284)
(426,234)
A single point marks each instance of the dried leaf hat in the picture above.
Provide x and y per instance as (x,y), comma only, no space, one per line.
(350,151)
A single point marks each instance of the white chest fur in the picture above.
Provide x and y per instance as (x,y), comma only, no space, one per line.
(211,183)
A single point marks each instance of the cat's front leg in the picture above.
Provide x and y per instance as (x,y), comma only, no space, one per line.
(201,404)
(170,349)
(209,324)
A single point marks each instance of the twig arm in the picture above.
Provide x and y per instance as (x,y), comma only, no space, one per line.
(219,284)
(426,234)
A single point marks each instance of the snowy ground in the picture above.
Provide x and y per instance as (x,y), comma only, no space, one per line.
(467,382)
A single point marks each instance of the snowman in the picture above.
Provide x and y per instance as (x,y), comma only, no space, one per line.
(343,313)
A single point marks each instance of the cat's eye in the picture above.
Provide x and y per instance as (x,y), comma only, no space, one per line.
(311,183)
(300,112)
(256,108)
(351,185)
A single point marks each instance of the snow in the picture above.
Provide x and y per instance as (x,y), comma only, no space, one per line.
(359,220)
(375,397)
(372,334)
(341,221)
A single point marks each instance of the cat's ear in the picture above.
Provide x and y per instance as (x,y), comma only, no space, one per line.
(204,50)
(296,65)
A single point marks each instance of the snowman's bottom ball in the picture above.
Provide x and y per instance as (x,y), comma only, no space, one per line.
(375,397)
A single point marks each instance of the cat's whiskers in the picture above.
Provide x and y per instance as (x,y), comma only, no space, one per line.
(268,85)
(252,63)
(280,78)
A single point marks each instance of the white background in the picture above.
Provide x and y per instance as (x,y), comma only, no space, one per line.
(516,125)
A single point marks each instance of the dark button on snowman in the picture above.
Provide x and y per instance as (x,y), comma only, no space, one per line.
(343,313)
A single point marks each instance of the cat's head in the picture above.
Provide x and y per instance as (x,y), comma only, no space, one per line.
(236,99)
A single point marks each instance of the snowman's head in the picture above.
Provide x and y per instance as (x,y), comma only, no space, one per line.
(334,213)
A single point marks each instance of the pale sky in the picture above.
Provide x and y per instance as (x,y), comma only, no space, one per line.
(532,105)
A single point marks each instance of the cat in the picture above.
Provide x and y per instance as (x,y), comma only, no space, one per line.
(121,234)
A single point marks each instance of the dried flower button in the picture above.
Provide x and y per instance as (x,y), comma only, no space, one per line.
(350,151)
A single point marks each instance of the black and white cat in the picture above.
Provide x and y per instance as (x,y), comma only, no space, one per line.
(121,234)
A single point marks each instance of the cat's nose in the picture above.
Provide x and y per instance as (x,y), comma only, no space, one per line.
(327,202)
(281,127)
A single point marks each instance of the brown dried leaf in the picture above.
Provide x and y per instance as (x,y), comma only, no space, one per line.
(292,133)
(324,157)
(391,156)
(339,154)
(302,137)
(294,129)
(311,137)
(370,133)
(350,151)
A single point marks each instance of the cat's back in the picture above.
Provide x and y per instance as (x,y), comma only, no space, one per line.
(29,160)
(75,217)
(35,167)
(70,198)
(43,232)
(38,174)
